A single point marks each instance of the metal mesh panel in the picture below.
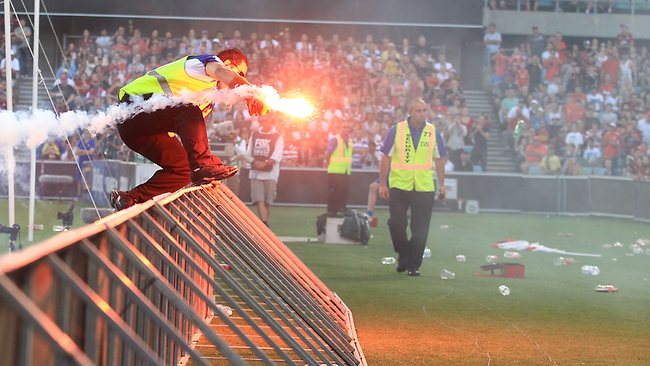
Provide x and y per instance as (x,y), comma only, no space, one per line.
(192,278)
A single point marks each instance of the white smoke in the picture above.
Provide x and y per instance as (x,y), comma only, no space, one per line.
(32,129)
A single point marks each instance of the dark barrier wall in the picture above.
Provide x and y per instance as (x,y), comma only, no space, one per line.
(494,192)
(539,194)
(464,12)
(22,176)
(309,186)
(642,201)
(613,196)
(575,194)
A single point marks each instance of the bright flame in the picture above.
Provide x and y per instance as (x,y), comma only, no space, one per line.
(296,107)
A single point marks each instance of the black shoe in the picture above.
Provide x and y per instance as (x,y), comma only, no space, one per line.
(121,200)
(413,273)
(209,173)
(401,264)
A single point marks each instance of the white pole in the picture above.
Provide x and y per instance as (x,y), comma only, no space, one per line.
(35,76)
(11,162)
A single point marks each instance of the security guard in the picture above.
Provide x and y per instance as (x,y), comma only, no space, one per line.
(411,150)
(339,155)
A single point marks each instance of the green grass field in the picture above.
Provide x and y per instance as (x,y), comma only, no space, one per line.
(553,316)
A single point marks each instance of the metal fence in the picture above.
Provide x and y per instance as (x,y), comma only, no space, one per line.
(190,278)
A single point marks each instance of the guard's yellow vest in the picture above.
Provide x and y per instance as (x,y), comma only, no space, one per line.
(171,80)
(410,168)
(341,159)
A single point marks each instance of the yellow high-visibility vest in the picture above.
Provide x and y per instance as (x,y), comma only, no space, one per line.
(171,80)
(411,168)
(341,159)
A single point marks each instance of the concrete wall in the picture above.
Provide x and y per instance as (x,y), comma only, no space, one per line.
(569,24)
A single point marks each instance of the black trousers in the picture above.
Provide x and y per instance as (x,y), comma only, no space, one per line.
(337,192)
(421,205)
(147,134)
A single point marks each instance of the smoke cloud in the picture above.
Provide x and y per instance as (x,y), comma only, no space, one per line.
(32,129)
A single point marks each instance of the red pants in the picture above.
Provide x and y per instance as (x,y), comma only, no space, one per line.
(147,134)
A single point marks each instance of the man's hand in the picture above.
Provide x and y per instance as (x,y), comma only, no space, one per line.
(442,195)
(256,106)
(384,192)
(238,80)
(258,164)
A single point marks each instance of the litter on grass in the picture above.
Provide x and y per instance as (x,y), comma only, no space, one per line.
(590,270)
(562,261)
(536,247)
(446,274)
(512,255)
(606,288)
(492,258)
(504,290)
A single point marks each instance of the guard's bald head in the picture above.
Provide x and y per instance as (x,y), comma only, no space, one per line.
(416,104)
(418,111)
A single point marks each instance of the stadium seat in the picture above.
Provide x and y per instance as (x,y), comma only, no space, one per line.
(468,148)
(478,169)
(587,170)
(535,170)
(599,171)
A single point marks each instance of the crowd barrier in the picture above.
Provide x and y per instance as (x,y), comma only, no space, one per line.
(193,277)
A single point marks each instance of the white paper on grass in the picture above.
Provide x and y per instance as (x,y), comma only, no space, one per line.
(537,247)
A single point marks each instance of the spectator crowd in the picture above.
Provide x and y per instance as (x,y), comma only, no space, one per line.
(375,78)
(585,103)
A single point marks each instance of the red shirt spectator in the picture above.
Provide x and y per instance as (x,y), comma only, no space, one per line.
(560,47)
(535,151)
(522,78)
(552,65)
(578,95)
(543,135)
(86,42)
(606,87)
(518,58)
(610,67)
(501,63)
(573,111)
(624,40)
(610,141)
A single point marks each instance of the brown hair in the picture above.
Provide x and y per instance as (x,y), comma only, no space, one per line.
(235,55)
